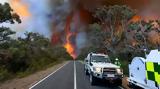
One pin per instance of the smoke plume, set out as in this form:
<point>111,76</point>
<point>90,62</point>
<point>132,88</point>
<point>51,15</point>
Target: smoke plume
<point>79,14</point>
<point>65,21</point>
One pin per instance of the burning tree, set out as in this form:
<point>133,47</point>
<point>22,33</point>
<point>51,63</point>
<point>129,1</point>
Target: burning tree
<point>125,31</point>
<point>146,35</point>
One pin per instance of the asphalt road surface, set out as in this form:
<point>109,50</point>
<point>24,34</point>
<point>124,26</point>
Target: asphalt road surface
<point>70,76</point>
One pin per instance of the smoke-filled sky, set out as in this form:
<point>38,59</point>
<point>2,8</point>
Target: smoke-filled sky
<point>65,21</point>
<point>35,16</point>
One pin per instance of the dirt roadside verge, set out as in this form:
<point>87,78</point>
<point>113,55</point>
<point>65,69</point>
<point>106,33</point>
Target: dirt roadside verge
<point>26,82</point>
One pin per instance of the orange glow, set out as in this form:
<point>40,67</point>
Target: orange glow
<point>85,16</point>
<point>20,8</point>
<point>68,44</point>
<point>136,18</point>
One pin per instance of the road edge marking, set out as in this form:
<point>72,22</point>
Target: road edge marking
<point>75,79</point>
<point>48,76</point>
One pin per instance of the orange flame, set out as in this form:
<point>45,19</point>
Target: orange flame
<point>136,18</point>
<point>68,45</point>
<point>79,16</point>
<point>20,8</point>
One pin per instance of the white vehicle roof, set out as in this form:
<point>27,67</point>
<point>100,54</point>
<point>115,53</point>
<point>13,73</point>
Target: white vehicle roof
<point>154,56</point>
<point>99,54</point>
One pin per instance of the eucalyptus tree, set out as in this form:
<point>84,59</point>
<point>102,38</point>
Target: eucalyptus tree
<point>116,20</point>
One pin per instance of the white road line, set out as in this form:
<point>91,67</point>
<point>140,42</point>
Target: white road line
<point>75,79</point>
<point>48,76</point>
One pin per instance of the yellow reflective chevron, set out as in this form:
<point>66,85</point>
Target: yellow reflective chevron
<point>157,77</point>
<point>153,72</point>
<point>150,66</point>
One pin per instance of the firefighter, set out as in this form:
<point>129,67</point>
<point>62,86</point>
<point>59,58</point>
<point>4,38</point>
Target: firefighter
<point>117,62</point>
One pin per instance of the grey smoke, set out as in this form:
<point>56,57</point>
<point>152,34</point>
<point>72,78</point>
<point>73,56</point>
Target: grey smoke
<point>40,19</point>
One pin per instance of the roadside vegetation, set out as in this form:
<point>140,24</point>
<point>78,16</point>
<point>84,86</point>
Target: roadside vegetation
<point>117,34</point>
<point>19,56</point>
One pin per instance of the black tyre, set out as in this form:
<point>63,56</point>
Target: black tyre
<point>86,72</point>
<point>92,79</point>
<point>118,82</point>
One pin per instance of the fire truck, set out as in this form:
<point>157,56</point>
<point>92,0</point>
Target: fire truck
<point>144,73</point>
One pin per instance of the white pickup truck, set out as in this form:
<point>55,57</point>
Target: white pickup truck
<point>99,66</point>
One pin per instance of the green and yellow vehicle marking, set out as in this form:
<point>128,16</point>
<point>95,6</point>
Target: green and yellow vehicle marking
<point>153,72</point>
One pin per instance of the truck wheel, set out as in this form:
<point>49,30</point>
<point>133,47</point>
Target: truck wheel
<point>118,82</point>
<point>92,79</point>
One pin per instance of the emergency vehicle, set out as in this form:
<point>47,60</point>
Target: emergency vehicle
<point>145,72</point>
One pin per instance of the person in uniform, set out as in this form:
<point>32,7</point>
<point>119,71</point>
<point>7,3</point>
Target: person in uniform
<point>117,62</point>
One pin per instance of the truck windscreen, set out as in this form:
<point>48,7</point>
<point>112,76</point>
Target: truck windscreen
<point>100,59</point>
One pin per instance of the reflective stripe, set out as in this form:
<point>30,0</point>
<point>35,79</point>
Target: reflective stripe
<point>153,72</point>
<point>157,77</point>
<point>150,66</point>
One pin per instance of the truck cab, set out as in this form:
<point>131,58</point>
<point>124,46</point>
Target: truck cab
<point>99,66</point>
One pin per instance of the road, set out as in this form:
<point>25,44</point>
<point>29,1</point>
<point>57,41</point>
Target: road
<point>69,76</point>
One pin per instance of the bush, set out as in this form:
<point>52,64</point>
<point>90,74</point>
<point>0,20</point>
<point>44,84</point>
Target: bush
<point>27,55</point>
<point>4,74</point>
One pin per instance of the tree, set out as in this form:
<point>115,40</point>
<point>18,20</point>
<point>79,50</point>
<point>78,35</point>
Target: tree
<point>115,19</point>
<point>7,14</point>
<point>25,55</point>
<point>5,34</point>
<point>142,30</point>
<point>97,37</point>
<point>35,40</point>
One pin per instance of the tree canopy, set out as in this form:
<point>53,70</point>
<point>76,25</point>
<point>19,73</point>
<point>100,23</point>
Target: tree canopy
<point>7,14</point>
<point>22,56</point>
<point>114,20</point>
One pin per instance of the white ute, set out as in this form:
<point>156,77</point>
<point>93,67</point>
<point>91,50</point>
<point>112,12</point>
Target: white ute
<point>99,66</point>
<point>144,73</point>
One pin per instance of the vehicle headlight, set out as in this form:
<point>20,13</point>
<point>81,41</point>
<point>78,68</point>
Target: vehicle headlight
<point>119,71</point>
<point>97,69</point>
